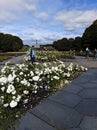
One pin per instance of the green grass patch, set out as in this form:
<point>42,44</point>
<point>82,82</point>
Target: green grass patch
<point>4,57</point>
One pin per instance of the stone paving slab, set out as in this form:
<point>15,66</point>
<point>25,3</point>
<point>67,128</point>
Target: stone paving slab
<point>57,115</point>
<point>73,88</point>
<point>88,107</point>
<point>81,80</point>
<point>94,81</point>
<point>66,98</point>
<point>86,77</point>
<point>30,122</point>
<point>89,123</point>
<point>73,129</point>
<point>89,93</point>
<point>88,85</point>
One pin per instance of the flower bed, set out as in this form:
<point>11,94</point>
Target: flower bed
<point>49,56</point>
<point>22,86</point>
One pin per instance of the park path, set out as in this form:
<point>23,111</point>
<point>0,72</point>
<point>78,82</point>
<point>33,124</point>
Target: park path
<point>14,60</point>
<point>80,60</point>
<point>89,63</point>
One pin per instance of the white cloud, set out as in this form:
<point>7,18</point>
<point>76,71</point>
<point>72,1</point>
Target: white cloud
<point>42,15</point>
<point>15,9</point>
<point>30,6</point>
<point>51,37</point>
<point>74,19</point>
<point>17,4</point>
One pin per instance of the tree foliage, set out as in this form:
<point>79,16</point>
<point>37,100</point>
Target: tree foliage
<point>9,42</point>
<point>89,37</point>
<point>77,44</point>
<point>67,44</point>
<point>1,37</point>
<point>62,44</point>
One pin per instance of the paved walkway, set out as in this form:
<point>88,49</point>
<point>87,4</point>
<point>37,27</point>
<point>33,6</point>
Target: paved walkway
<point>89,63</point>
<point>72,108</point>
<point>14,60</point>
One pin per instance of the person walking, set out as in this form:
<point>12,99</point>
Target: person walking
<point>95,53</point>
<point>87,52</point>
<point>33,54</point>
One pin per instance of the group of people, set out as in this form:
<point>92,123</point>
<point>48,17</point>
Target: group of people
<point>94,53</point>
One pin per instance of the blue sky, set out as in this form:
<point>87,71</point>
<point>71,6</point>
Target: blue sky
<point>46,20</point>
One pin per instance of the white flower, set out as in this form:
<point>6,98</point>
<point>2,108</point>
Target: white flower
<point>5,105</point>
<point>14,92</point>
<point>35,91</point>
<point>17,116</point>
<point>13,104</point>
<point>26,92</point>
<point>53,68</point>
<point>70,68</point>
<point>24,82</point>
<point>47,71</point>
<point>2,83</point>
<point>31,72</point>
<point>25,101</point>
<point>68,74</point>
<point>35,78</point>
<point>37,72</point>
<point>36,86</point>
<point>10,88</point>
<point>66,81</point>
<point>18,98</point>
<point>44,64</point>
<point>40,79</point>
<point>17,79</point>
<point>14,97</point>
<point>56,68</point>
<point>2,97</point>
<point>10,78</point>
<point>3,88</point>
<point>21,73</point>
<point>28,75</point>
<point>8,62</point>
<point>3,80</point>
<point>56,77</point>
<point>82,68</point>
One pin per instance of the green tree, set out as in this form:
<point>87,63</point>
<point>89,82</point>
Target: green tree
<point>11,43</point>
<point>62,44</point>
<point>1,37</point>
<point>77,44</point>
<point>6,43</point>
<point>17,43</point>
<point>89,37</point>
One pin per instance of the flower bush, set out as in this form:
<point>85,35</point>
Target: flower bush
<point>49,56</point>
<point>23,84</point>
